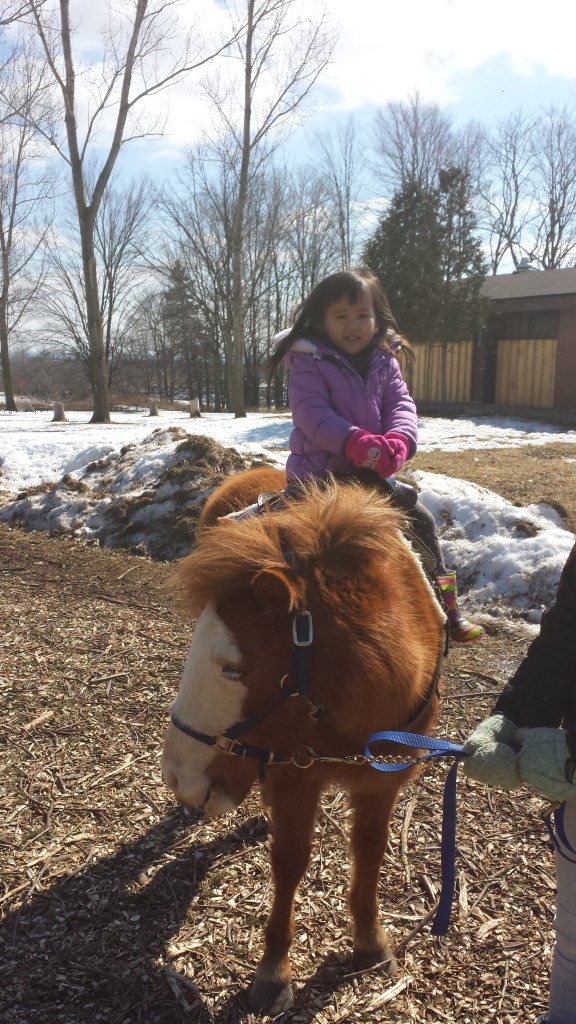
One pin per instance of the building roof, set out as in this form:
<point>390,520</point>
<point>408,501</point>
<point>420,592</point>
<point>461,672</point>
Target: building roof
<point>530,283</point>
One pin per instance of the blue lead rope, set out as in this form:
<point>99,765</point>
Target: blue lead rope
<point>435,748</point>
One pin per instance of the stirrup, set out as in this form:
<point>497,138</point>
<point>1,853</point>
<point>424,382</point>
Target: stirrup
<point>267,501</point>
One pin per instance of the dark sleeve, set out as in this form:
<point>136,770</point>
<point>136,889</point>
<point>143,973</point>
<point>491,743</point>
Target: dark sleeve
<point>542,692</point>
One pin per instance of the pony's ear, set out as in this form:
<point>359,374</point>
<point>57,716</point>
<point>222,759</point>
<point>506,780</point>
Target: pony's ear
<point>273,592</point>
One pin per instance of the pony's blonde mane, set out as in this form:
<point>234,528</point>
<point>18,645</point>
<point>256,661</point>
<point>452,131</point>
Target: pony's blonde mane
<point>331,527</point>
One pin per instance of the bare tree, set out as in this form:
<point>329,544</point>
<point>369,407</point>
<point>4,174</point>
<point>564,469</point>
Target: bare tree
<point>553,147</point>
<point>528,189</point>
<point>413,139</point>
<point>134,64</point>
<point>263,236</point>
<point>167,365</point>
<point>504,187</point>
<point>26,186</point>
<point>281,56</point>
<point>312,234</point>
<point>11,12</point>
<point>122,234</point>
<point>309,246</point>
<point>340,161</point>
<point>469,152</point>
<point>201,212</point>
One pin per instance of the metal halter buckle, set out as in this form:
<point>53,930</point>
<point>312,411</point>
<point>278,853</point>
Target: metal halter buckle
<point>227,746</point>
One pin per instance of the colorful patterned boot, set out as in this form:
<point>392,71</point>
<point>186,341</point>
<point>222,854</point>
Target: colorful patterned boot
<point>461,631</point>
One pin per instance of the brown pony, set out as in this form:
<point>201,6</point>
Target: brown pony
<point>316,628</point>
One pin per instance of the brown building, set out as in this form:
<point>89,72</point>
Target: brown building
<point>526,356</point>
<point>531,327</point>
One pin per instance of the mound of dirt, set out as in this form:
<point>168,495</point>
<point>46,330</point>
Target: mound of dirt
<point>146,498</point>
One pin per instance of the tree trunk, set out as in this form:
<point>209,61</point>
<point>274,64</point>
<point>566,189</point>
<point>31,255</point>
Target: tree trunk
<point>6,370</point>
<point>59,414</point>
<point>235,360</point>
<point>98,367</point>
<point>217,384</point>
<point>4,351</point>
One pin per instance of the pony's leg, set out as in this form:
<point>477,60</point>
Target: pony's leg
<point>293,803</point>
<point>370,831</point>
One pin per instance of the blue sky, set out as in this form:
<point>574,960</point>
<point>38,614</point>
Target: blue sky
<point>479,62</point>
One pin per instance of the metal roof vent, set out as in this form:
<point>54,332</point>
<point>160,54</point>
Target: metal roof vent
<point>524,265</point>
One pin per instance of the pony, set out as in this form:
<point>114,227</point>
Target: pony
<point>316,627</point>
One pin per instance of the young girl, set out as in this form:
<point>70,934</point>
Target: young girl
<point>351,409</point>
<point>521,744</point>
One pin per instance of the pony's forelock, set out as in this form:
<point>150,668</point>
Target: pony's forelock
<point>343,523</point>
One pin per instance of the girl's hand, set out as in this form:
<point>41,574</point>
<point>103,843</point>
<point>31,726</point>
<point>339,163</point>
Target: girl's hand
<point>384,453</point>
<point>545,763</point>
<point>492,753</point>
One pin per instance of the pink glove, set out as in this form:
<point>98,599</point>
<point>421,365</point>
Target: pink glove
<point>384,453</point>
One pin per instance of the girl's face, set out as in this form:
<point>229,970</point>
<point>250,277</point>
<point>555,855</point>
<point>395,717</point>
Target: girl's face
<point>350,327</point>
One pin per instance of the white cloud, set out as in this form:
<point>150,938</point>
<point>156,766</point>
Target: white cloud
<point>386,51</point>
<point>480,59</point>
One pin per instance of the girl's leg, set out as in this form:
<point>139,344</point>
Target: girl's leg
<point>563,976</point>
<point>424,526</point>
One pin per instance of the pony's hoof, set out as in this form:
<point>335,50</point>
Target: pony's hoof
<point>270,997</point>
<point>369,959</point>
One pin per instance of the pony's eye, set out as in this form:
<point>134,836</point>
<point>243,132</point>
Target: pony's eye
<point>232,672</point>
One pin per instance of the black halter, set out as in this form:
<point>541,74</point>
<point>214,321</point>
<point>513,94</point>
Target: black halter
<point>228,742</point>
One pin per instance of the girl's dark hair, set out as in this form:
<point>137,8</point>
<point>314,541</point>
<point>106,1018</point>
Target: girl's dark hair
<point>346,284</point>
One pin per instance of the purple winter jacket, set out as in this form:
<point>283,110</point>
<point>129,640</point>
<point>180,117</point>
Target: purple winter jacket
<point>329,400</point>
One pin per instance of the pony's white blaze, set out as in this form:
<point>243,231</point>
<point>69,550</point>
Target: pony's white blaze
<point>209,702</point>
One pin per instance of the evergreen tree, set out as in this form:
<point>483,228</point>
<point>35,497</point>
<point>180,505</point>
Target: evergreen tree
<point>405,254</point>
<point>430,262</point>
<point>463,264</point>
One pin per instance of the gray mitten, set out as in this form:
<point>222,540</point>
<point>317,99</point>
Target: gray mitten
<point>491,753</point>
<point>542,762</point>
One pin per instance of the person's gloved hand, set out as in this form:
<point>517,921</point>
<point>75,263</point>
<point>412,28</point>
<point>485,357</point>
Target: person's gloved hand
<point>384,453</point>
<point>542,762</point>
<point>492,753</point>
<point>400,447</point>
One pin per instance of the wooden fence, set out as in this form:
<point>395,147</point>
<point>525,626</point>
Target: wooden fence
<point>426,373</point>
<point>526,372</point>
